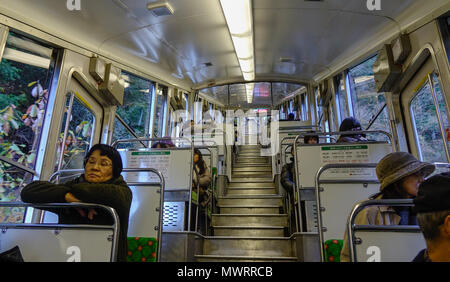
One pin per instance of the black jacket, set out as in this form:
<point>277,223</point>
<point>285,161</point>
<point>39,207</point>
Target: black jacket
<point>115,194</point>
<point>287,178</point>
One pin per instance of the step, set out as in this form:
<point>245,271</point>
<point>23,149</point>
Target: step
<point>257,199</point>
<point>258,174</point>
<point>248,209</point>
<point>250,153</point>
<point>249,220</point>
<point>240,184</point>
<point>244,159</point>
<point>248,246</point>
<point>251,191</point>
<point>249,179</point>
<point>251,165</point>
<point>249,231</point>
<point>212,258</point>
<point>252,169</point>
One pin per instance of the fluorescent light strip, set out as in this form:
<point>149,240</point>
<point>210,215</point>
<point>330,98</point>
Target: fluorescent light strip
<point>25,58</point>
<point>238,14</point>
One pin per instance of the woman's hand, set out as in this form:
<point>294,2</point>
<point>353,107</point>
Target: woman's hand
<point>70,198</point>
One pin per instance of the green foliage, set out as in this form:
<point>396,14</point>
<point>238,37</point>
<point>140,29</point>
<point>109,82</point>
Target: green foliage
<point>22,107</point>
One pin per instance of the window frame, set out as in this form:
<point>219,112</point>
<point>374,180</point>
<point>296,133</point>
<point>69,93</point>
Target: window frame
<point>428,81</point>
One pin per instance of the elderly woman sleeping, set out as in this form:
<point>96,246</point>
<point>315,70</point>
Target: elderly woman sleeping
<point>101,183</point>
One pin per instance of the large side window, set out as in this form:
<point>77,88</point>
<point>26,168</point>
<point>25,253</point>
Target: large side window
<point>26,72</point>
<point>160,111</point>
<point>369,107</point>
<point>341,101</point>
<point>134,116</point>
<point>430,126</point>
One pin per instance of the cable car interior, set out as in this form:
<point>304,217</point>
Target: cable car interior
<point>243,82</point>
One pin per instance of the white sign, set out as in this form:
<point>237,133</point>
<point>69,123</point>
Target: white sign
<point>352,154</point>
<point>159,160</point>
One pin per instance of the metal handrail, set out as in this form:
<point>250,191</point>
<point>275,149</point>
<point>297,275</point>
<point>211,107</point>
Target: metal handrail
<point>329,134</point>
<point>317,191</point>
<point>216,147</point>
<point>359,207</point>
<point>115,143</point>
<point>18,165</point>
<point>112,212</point>
<point>161,201</point>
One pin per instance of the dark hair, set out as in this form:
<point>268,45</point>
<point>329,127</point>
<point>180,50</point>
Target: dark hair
<point>111,153</point>
<point>394,191</point>
<point>309,137</point>
<point>351,124</point>
<point>201,163</point>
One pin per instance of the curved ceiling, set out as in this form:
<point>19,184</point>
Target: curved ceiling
<point>294,39</point>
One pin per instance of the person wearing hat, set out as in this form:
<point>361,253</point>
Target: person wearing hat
<point>400,175</point>
<point>432,205</point>
<point>101,184</point>
<point>351,124</point>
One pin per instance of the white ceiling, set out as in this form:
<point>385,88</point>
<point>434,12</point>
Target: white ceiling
<point>314,36</point>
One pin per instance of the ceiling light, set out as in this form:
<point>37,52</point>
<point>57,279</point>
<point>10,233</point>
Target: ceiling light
<point>160,8</point>
<point>238,14</point>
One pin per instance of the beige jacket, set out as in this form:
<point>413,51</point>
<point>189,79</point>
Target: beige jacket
<point>373,215</point>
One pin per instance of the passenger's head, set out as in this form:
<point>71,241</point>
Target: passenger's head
<point>400,175</point>
<point>102,163</point>
<point>163,144</point>
<point>311,139</point>
<point>291,116</point>
<point>432,205</point>
<point>158,145</point>
<point>350,124</point>
<point>198,157</point>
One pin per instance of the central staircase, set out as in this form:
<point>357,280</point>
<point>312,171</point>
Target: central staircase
<point>250,226</point>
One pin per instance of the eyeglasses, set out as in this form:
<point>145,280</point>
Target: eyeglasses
<point>103,163</point>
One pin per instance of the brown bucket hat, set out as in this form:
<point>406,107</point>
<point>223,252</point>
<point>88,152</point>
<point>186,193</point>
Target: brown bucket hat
<point>398,165</point>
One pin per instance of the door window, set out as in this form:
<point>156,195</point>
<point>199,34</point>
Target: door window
<point>427,122</point>
<point>76,135</point>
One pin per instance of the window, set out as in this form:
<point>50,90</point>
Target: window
<point>341,101</point>
<point>304,107</point>
<point>26,72</point>
<point>334,126</point>
<point>136,108</point>
<point>318,105</point>
<point>76,134</point>
<point>366,102</point>
<point>160,111</point>
<point>427,126</point>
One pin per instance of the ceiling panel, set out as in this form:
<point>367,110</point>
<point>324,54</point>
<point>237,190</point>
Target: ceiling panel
<point>311,37</point>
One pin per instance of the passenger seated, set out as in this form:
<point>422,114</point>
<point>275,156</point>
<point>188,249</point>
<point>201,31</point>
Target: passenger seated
<point>288,171</point>
<point>287,178</point>
<point>311,139</point>
<point>163,144</point>
<point>351,124</point>
<point>400,175</point>
<point>101,183</point>
<point>432,205</point>
<point>291,116</point>
<point>201,178</point>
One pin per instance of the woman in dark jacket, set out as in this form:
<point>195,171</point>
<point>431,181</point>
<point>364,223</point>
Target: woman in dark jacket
<point>101,184</point>
<point>351,124</point>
